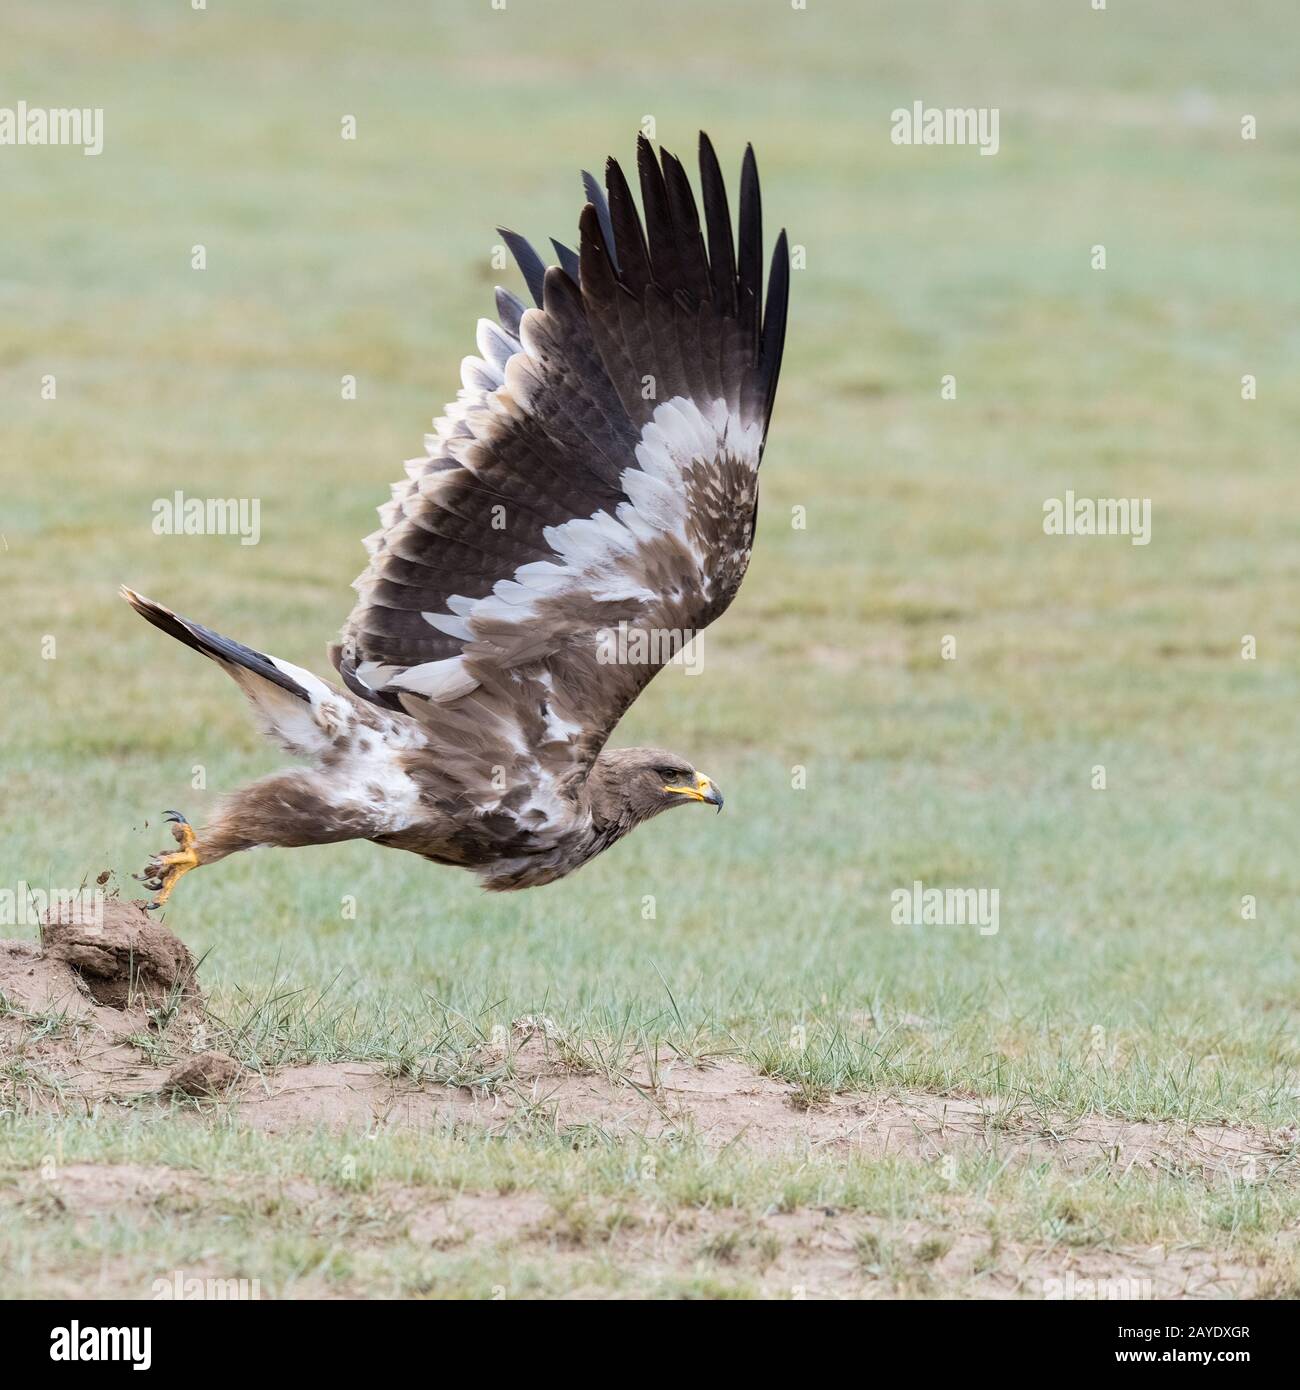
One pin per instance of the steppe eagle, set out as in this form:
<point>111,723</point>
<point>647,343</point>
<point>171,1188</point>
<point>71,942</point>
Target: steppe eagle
<point>596,476</point>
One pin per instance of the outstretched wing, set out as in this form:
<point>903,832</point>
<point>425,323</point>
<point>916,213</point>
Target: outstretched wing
<point>587,503</point>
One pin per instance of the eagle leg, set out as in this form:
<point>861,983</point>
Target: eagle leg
<point>166,869</point>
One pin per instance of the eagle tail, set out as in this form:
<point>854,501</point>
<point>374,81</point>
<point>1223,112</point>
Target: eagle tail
<point>299,711</point>
<point>213,644</point>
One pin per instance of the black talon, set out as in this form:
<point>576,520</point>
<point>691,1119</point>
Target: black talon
<point>175,817</point>
<point>154,885</point>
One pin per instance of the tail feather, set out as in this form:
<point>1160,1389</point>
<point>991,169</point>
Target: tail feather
<point>213,644</point>
<point>299,711</point>
<point>358,789</point>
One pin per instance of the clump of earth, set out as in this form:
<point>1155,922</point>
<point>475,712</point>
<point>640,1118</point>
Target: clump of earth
<point>121,955</point>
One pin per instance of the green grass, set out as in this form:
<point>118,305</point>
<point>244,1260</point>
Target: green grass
<point>1120,909</point>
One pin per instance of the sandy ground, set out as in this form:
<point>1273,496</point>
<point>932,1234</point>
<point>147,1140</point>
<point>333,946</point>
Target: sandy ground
<point>806,1253</point>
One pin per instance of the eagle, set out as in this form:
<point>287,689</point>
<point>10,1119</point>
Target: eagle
<point>594,482</point>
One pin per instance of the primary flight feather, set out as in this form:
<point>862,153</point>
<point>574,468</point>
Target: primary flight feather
<point>594,482</point>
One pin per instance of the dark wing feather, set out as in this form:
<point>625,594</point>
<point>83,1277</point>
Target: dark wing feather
<point>665,253</point>
<point>597,474</point>
<point>627,250</point>
<point>750,262</point>
<point>772,342</point>
<point>596,197</point>
<point>529,262</point>
<point>717,216</point>
<point>686,229</point>
<point>568,259</point>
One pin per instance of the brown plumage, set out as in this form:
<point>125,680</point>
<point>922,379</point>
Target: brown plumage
<point>594,483</point>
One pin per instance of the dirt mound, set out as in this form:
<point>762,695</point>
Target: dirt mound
<point>121,954</point>
<point>32,984</point>
<point>74,1009</point>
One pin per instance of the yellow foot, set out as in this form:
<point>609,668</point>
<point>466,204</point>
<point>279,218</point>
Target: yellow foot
<point>166,869</point>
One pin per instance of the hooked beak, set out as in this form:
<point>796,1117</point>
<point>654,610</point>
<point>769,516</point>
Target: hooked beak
<point>703,790</point>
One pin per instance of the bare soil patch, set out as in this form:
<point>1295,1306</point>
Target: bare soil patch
<point>726,1102</point>
<point>807,1253</point>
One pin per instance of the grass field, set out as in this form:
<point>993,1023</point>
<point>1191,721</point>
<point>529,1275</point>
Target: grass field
<point>1124,980</point>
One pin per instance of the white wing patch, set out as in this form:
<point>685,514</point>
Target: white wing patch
<point>598,555</point>
<point>436,680</point>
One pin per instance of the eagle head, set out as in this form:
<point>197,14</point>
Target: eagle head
<point>630,785</point>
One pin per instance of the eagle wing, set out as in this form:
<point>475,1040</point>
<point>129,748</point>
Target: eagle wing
<point>595,479</point>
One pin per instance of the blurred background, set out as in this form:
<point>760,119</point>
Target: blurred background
<point>371,257</point>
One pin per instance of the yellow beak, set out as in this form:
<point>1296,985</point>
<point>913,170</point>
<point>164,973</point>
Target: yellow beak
<point>703,790</point>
